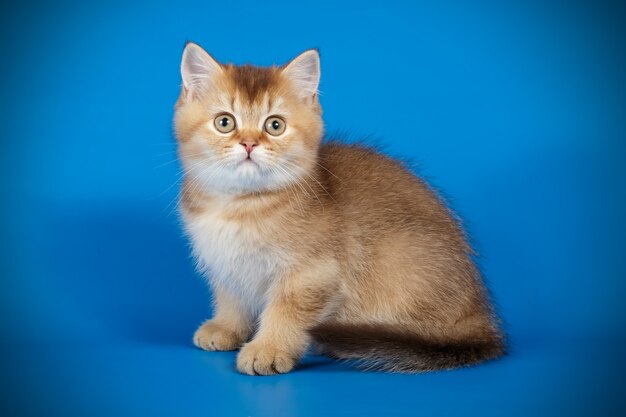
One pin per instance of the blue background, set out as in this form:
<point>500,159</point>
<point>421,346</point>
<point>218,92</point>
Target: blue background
<point>515,110</point>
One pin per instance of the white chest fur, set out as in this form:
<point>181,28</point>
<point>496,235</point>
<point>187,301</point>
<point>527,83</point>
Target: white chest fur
<point>235,257</point>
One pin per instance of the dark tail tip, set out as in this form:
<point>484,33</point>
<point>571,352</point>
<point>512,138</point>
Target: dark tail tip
<point>381,348</point>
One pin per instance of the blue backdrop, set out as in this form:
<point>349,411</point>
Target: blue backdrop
<point>515,110</point>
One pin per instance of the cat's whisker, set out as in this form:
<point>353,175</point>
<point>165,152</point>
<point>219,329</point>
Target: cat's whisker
<point>176,182</point>
<point>165,153</point>
<point>290,189</point>
<point>298,182</point>
<point>195,187</point>
<point>181,176</point>
<point>319,165</point>
<point>308,159</point>
<point>163,144</point>
<point>313,178</point>
<point>172,201</point>
<point>178,160</point>
<point>166,163</point>
<point>196,182</point>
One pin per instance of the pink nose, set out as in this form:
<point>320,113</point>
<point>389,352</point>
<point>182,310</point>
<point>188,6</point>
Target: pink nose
<point>249,145</point>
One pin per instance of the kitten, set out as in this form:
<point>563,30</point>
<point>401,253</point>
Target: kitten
<point>305,242</point>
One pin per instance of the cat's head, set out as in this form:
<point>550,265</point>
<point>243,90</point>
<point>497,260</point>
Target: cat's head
<point>245,129</point>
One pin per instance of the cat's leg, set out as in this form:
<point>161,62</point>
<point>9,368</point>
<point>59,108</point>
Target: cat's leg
<point>299,302</point>
<point>230,327</point>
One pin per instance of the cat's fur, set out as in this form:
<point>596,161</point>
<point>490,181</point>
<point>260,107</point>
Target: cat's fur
<point>304,242</point>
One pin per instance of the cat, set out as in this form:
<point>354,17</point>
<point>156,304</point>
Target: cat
<point>318,244</point>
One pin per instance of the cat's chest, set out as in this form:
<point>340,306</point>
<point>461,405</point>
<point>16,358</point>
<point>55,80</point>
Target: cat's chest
<point>237,256</point>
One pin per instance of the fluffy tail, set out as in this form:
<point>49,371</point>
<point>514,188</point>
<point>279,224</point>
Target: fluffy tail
<point>379,348</point>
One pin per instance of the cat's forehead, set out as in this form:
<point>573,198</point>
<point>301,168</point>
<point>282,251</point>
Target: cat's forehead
<point>254,84</point>
<point>251,90</point>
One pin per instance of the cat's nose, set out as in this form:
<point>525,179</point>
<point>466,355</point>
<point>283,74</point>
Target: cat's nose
<point>249,145</point>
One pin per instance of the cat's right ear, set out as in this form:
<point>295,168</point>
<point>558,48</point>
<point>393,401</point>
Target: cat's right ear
<point>198,70</point>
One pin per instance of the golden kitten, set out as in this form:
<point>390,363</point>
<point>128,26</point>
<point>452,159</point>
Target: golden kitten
<point>305,242</point>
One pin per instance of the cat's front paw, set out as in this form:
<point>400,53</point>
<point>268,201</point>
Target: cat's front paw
<point>261,358</point>
<point>213,336</point>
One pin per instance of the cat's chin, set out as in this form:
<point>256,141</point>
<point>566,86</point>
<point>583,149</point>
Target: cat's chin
<point>249,171</point>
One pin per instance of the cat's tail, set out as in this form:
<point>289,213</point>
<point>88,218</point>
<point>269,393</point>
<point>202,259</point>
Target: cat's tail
<point>380,348</point>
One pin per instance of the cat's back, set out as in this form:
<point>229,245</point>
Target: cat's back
<point>355,167</point>
<point>375,187</point>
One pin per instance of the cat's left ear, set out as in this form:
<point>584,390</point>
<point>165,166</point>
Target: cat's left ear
<point>304,73</point>
<point>198,70</point>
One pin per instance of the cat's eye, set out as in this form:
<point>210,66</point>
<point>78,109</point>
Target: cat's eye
<point>275,126</point>
<point>225,123</point>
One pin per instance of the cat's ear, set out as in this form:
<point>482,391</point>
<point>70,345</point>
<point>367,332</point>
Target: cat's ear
<point>304,73</point>
<point>198,70</point>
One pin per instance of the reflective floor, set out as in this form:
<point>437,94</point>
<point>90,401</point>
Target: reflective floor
<point>570,378</point>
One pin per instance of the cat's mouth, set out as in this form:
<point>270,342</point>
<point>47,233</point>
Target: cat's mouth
<point>248,161</point>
